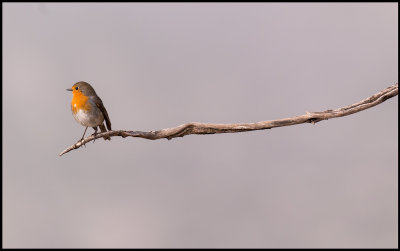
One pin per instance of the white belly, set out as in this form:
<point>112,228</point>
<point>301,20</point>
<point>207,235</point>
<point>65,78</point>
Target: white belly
<point>87,119</point>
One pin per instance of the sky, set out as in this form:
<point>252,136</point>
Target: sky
<point>160,65</point>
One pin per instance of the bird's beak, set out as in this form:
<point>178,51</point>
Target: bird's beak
<point>69,90</point>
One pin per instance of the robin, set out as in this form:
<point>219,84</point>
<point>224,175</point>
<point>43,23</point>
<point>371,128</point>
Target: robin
<point>88,109</point>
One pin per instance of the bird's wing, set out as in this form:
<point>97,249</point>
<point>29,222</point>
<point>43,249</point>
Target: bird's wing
<point>100,105</point>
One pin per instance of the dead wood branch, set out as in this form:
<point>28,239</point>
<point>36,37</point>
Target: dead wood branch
<point>204,128</point>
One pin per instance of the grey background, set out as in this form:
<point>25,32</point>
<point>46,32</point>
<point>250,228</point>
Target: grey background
<point>156,66</point>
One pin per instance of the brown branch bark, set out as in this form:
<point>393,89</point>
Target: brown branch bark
<point>205,128</point>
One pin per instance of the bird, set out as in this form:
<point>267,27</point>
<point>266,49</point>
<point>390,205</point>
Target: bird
<point>88,109</point>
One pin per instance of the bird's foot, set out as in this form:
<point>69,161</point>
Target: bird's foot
<point>94,135</point>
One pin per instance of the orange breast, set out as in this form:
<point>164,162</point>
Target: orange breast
<point>79,101</point>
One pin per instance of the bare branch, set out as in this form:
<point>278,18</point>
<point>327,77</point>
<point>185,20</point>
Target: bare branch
<point>204,128</point>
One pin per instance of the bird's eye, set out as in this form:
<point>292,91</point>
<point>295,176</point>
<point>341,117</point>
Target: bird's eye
<point>76,88</point>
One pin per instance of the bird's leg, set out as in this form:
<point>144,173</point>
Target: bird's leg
<point>84,135</point>
<point>95,133</point>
